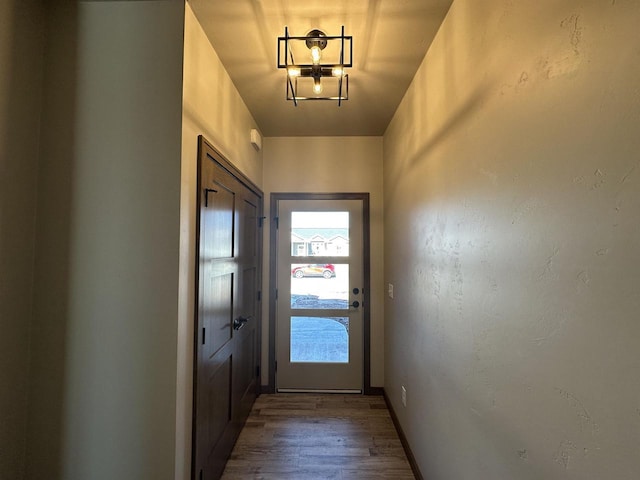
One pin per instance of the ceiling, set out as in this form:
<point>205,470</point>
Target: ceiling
<point>390,39</point>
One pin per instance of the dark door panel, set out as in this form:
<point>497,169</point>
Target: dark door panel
<point>217,312</point>
<point>217,403</point>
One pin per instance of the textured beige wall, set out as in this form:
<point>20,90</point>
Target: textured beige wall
<point>103,383</point>
<point>211,107</point>
<point>21,52</point>
<point>512,213</point>
<point>330,164</point>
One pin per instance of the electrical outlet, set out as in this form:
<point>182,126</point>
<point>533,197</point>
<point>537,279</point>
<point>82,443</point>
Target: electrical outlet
<point>404,396</point>
<point>391,290</point>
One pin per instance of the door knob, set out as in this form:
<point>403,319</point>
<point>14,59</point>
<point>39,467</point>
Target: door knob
<point>355,304</point>
<point>239,322</point>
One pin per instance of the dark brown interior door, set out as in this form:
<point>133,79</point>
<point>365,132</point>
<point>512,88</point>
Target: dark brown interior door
<point>227,333</point>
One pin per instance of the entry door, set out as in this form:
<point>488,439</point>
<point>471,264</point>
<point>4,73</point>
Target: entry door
<point>319,295</point>
<point>227,331</point>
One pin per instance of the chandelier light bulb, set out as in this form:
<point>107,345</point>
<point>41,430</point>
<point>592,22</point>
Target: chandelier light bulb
<point>316,54</point>
<point>317,86</point>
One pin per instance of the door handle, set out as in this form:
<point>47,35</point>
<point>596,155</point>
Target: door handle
<point>240,322</point>
<point>355,304</point>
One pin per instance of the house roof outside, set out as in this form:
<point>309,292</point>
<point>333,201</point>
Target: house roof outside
<point>309,234</point>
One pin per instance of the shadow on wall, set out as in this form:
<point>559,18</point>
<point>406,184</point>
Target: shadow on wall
<point>454,122</point>
<point>15,233</point>
<point>52,243</point>
<point>21,47</point>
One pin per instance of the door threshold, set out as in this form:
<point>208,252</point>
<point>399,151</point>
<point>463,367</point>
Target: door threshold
<point>308,390</point>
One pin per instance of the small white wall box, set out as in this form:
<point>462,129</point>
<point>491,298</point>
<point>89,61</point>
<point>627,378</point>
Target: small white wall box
<point>256,139</point>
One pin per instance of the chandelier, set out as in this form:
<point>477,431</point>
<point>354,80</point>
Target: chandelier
<point>320,73</point>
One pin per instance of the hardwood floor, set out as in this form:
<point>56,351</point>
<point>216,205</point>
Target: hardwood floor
<point>318,437</point>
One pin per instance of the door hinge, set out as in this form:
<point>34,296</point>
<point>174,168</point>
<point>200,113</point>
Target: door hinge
<point>207,191</point>
<point>258,371</point>
<point>276,367</point>
<point>203,335</point>
<point>261,221</point>
<point>259,295</point>
<point>277,220</point>
<point>276,295</point>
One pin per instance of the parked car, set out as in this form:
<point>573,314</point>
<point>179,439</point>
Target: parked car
<point>326,270</point>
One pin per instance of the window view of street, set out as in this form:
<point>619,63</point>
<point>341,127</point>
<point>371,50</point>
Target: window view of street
<point>320,234</point>
<point>320,286</point>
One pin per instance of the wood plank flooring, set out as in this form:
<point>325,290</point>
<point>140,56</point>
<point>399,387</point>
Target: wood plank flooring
<point>318,437</point>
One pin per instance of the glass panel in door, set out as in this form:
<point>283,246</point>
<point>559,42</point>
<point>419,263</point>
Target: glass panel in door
<point>319,340</point>
<point>319,318</point>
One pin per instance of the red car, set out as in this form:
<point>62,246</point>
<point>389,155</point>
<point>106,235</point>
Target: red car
<point>326,270</point>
